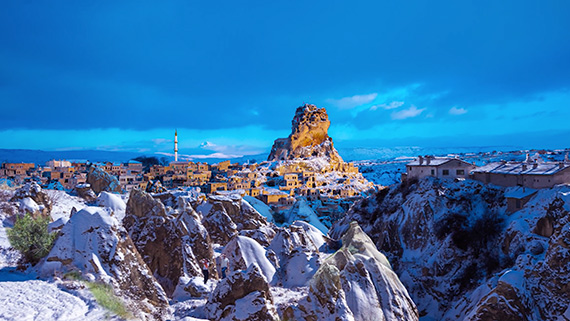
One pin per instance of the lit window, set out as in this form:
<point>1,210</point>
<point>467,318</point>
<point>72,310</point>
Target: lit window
<point>445,172</point>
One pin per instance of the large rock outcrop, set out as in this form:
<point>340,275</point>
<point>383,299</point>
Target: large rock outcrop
<point>309,137</point>
<point>225,215</point>
<point>94,243</point>
<point>102,181</point>
<point>355,283</point>
<point>165,241</point>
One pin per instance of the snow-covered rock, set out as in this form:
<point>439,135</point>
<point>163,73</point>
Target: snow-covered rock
<point>161,239</point>
<point>114,202</point>
<point>463,258</point>
<point>93,242</point>
<point>243,295</point>
<point>33,200</point>
<point>243,252</point>
<point>356,283</point>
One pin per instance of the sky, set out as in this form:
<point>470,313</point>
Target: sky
<point>123,75</point>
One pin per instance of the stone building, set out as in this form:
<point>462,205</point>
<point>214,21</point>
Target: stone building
<point>530,174</point>
<point>440,167</point>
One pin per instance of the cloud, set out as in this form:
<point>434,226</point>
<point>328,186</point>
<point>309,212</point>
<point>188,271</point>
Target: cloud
<point>392,105</point>
<point>354,101</point>
<point>457,111</point>
<point>199,156</point>
<point>160,141</point>
<point>411,112</point>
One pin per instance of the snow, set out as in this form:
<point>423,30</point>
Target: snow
<point>23,298</point>
<point>261,207</point>
<point>114,202</point>
<point>62,203</point>
<point>252,252</point>
<point>519,192</point>
<point>302,211</point>
<point>86,249</point>
<point>514,278</point>
<point>29,205</point>
<point>316,235</point>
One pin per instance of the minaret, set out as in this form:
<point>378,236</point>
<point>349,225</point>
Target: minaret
<point>175,145</point>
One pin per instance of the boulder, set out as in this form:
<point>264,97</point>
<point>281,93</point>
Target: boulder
<point>33,199</point>
<point>85,192</point>
<point>102,181</point>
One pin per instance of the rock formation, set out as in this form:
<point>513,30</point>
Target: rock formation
<point>102,181</point>
<point>85,192</point>
<point>355,283</point>
<point>243,295</point>
<point>463,258</point>
<point>226,215</point>
<point>309,137</point>
<point>163,240</point>
<point>33,199</point>
<point>93,242</point>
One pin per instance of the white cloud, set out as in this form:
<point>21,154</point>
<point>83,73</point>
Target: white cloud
<point>457,111</point>
<point>392,105</point>
<point>354,101</point>
<point>160,141</point>
<point>411,112</point>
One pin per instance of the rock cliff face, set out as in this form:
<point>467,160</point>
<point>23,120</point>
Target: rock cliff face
<point>462,257</point>
<point>309,137</point>
<point>163,241</point>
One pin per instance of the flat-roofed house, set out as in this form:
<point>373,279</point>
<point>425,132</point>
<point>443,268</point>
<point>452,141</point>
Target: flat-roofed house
<point>517,197</point>
<point>440,167</point>
<point>530,174</point>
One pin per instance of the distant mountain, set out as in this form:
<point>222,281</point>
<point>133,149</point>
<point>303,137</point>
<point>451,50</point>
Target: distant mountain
<point>390,153</point>
<point>41,156</point>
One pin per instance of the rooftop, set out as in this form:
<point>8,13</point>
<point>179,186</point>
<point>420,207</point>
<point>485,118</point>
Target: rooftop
<point>517,168</point>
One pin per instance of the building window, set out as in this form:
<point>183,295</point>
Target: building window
<point>445,172</point>
<point>460,172</point>
<point>433,172</point>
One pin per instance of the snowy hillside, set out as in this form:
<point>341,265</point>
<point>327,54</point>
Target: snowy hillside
<point>150,248</point>
<point>462,257</point>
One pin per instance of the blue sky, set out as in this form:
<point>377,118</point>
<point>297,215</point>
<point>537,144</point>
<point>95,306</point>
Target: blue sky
<point>228,75</point>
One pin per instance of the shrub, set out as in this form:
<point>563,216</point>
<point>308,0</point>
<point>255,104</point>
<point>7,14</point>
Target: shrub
<point>30,236</point>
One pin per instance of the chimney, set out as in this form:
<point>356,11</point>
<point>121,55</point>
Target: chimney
<point>421,159</point>
<point>428,159</point>
<point>535,165</point>
<point>527,160</point>
<point>524,167</point>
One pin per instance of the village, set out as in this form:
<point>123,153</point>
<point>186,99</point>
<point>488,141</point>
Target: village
<point>280,184</point>
<point>276,184</point>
